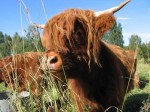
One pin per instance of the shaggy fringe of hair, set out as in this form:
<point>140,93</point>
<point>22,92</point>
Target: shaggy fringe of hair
<point>61,26</point>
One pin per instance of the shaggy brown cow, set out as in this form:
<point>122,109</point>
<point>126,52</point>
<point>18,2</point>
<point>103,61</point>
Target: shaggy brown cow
<point>26,71</point>
<point>22,71</point>
<point>98,74</point>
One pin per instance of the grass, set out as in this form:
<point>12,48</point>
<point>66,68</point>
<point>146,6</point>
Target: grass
<point>138,100</point>
<point>51,98</point>
<point>2,87</point>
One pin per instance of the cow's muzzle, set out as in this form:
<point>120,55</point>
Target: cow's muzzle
<point>51,61</point>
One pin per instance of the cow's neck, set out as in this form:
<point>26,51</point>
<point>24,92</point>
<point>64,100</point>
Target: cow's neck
<point>98,80</point>
<point>84,87</point>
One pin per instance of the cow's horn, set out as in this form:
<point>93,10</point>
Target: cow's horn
<point>39,25</point>
<point>112,10</point>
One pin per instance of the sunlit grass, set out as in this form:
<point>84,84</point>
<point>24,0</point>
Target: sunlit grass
<point>52,97</point>
<point>2,87</point>
<point>136,98</point>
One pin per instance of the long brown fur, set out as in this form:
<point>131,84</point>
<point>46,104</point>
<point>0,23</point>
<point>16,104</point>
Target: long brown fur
<point>60,28</point>
<point>22,71</point>
<point>98,74</point>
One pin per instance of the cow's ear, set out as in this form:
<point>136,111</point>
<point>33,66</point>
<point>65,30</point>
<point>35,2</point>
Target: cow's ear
<point>103,23</point>
<point>104,20</point>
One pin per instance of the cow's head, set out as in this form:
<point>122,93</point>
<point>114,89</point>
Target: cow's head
<point>73,37</point>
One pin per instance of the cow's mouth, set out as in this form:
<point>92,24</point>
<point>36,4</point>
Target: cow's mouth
<point>53,70</point>
<point>58,74</point>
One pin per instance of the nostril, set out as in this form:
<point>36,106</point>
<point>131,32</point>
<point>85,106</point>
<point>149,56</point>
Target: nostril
<point>53,60</point>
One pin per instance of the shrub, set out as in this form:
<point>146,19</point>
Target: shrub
<point>146,106</point>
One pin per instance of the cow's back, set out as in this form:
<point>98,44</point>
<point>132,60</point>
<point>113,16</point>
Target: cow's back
<point>128,59</point>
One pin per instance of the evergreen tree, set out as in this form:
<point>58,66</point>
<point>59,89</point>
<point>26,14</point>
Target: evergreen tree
<point>145,52</point>
<point>4,45</point>
<point>114,36</point>
<point>15,44</point>
<point>1,37</point>
<point>33,37</point>
<point>134,41</point>
<point>7,50</point>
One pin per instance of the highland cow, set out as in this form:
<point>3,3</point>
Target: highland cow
<point>98,74</point>
<point>26,71</point>
<point>22,71</point>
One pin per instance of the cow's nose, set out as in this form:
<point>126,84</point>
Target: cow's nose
<point>53,59</point>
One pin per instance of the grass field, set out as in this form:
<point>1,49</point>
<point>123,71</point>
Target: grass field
<point>138,100</point>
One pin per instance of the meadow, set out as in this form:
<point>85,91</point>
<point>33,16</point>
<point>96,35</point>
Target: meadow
<point>138,100</point>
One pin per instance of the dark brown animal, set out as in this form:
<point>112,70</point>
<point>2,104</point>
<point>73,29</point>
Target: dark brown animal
<point>98,74</point>
<point>22,71</point>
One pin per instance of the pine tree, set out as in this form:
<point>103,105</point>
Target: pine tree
<point>1,37</point>
<point>114,36</point>
<point>145,52</point>
<point>4,45</point>
<point>33,37</point>
<point>134,41</point>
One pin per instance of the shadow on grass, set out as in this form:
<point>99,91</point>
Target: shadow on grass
<point>135,102</point>
<point>143,83</point>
